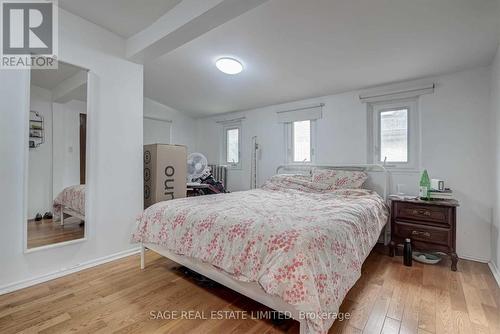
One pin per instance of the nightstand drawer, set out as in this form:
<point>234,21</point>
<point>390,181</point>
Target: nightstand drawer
<point>428,213</point>
<point>430,234</point>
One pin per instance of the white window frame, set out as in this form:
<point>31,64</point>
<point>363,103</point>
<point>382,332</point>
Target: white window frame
<point>289,144</point>
<point>414,143</point>
<point>225,129</point>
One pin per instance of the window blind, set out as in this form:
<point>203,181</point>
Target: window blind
<point>300,114</point>
<point>395,92</point>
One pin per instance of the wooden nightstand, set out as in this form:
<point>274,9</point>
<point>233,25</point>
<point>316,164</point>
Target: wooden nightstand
<point>431,226</point>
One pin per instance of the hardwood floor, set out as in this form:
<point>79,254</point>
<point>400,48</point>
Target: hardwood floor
<point>118,297</point>
<point>47,232</point>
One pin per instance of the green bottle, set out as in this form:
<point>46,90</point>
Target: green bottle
<point>425,186</point>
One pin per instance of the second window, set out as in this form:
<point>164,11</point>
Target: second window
<point>300,142</point>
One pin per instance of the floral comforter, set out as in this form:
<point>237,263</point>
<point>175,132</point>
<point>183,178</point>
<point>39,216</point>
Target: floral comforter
<point>72,197</point>
<point>303,244</point>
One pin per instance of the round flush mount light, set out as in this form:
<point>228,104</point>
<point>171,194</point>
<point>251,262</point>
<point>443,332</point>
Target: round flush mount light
<point>229,65</point>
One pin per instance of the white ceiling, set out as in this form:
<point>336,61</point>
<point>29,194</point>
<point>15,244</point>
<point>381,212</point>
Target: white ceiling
<point>123,17</point>
<point>79,93</point>
<point>295,49</point>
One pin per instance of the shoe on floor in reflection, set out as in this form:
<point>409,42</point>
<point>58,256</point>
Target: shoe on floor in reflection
<point>38,217</point>
<point>47,215</point>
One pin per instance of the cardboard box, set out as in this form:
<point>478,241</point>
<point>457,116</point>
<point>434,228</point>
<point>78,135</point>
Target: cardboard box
<point>165,171</point>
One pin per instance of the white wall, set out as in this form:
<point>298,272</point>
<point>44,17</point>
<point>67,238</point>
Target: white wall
<point>66,159</point>
<point>114,158</point>
<point>455,146</point>
<point>183,129</point>
<point>40,158</point>
<point>495,107</point>
<point>156,131</point>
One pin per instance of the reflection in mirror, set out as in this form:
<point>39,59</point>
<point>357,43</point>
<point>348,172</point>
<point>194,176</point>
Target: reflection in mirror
<point>57,155</point>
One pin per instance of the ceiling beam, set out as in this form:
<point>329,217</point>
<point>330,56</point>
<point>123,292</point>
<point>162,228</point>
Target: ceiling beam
<point>64,91</point>
<point>183,23</point>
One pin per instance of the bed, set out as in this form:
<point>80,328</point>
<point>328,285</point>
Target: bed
<point>292,246</point>
<point>70,201</point>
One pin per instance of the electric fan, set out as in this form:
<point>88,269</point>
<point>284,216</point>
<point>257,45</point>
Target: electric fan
<point>197,163</point>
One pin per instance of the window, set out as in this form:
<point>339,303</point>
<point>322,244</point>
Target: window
<point>395,134</point>
<point>300,142</point>
<point>232,149</point>
<point>232,145</point>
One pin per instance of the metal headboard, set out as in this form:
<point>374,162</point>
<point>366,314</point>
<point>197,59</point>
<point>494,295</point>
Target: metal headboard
<point>381,188</point>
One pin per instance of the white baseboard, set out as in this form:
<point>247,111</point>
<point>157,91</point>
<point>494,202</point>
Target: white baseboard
<point>66,271</point>
<point>474,258</point>
<point>495,272</point>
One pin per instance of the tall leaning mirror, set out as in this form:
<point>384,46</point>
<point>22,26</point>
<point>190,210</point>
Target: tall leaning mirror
<point>57,158</point>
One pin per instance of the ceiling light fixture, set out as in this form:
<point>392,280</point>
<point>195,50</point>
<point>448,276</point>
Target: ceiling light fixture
<point>229,65</point>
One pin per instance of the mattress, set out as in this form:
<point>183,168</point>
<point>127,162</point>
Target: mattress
<point>305,245</point>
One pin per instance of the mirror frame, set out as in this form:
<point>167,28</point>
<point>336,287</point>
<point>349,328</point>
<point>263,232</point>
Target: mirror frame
<point>88,165</point>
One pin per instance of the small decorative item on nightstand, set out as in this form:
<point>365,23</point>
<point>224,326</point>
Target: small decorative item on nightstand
<point>425,186</point>
<point>431,225</point>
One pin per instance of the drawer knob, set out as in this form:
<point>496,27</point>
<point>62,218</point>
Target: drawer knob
<point>423,234</point>
<point>422,212</point>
